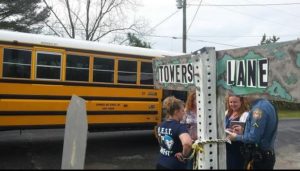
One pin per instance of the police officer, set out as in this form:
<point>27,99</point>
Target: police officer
<point>259,134</point>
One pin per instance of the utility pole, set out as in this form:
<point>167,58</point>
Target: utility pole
<point>184,27</point>
<point>182,4</point>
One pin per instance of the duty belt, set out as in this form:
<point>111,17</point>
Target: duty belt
<point>267,152</point>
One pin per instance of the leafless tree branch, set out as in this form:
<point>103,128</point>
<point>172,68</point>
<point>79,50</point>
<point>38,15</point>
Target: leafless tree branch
<point>56,16</point>
<point>100,18</point>
<point>70,18</point>
<point>113,30</point>
<point>54,31</point>
<point>87,35</point>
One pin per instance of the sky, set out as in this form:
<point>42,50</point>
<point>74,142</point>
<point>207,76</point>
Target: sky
<point>223,24</point>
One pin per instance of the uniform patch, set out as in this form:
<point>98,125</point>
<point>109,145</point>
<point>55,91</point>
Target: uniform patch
<point>255,125</point>
<point>257,114</point>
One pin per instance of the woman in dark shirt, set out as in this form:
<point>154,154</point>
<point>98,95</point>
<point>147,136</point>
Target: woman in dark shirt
<point>174,139</point>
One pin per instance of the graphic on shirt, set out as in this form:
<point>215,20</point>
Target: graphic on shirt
<point>168,141</point>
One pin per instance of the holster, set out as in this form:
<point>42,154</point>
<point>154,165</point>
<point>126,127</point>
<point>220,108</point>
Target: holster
<point>246,151</point>
<point>257,155</point>
<point>253,154</point>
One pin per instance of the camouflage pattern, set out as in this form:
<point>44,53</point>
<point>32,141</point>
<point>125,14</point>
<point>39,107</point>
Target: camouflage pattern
<point>283,75</point>
<point>184,59</point>
<point>283,70</point>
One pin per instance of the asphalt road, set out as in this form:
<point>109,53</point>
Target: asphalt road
<point>42,149</point>
<point>287,145</point>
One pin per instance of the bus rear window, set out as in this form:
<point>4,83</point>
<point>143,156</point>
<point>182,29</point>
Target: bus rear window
<point>146,73</point>
<point>77,68</point>
<point>48,66</point>
<point>127,72</point>
<point>16,63</point>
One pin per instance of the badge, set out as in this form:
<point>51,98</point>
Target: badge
<point>257,114</point>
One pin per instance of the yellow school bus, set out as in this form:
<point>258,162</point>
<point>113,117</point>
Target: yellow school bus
<point>39,74</point>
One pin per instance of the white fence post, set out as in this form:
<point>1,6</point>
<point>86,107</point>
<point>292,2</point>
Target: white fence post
<point>205,81</point>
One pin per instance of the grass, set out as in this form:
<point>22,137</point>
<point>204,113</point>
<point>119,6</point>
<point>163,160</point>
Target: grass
<point>288,114</point>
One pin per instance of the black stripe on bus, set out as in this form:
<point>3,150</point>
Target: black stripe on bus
<point>98,127</point>
<point>18,113</point>
<point>92,126</point>
<point>74,83</point>
<point>46,97</point>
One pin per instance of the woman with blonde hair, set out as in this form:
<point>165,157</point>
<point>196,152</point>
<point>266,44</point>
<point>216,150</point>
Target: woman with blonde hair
<point>174,140</point>
<point>237,110</point>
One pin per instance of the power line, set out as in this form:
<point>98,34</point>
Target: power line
<point>205,41</point>
<point>282,11</point>
<point>198,40</point>
<point>243,13</point>
<point>162,21</point>
<point>246,5</point>
<point>212,36</point>
<point>242,36</point>
<point>194,16</point>
<point>207,36</point>
<point>195,36</point>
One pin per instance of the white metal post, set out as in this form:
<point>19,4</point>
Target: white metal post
<point>205,81</point>
<point>74,147</point>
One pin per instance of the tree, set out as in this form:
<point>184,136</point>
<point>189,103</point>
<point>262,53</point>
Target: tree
<point>137,42</point>
<point>269,40</point>
<point>22,15</point>
<point>90,19</point>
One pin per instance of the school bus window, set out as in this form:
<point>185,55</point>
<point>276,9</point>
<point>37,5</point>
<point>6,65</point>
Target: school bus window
<point>16,63</point>
<point>127,72</point>
<point>77,68</point>
<point>146,73</point>
<point>48,65</point>
<point>103,70</point>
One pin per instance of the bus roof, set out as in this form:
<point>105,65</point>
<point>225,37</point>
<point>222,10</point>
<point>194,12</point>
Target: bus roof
<point>59,42</point>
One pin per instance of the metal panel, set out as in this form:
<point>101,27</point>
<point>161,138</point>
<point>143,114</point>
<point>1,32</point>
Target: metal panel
<point>75,135</point>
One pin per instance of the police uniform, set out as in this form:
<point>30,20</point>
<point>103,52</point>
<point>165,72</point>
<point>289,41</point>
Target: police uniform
<point>259,135</point>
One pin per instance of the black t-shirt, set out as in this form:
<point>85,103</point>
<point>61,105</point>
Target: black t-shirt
<point>170,144</point>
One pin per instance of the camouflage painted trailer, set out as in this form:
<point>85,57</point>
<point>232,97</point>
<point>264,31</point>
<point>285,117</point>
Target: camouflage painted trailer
<point>283,77</point>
